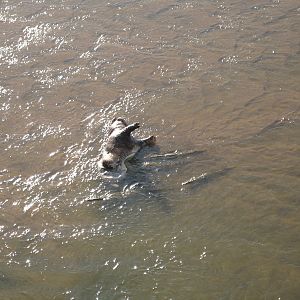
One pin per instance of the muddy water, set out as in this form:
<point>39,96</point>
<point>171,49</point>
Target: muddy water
<point>212,212</point>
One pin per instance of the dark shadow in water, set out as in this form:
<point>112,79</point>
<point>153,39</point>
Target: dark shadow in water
<point>143,182</point>
<point>139,186</point>
<point>166,162</point>
<point>162,11</point>
<point>7,282</point>
<point>195,183</point>
<point>283,122</point>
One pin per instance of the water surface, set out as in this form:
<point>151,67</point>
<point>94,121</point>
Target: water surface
<point>212,212</point>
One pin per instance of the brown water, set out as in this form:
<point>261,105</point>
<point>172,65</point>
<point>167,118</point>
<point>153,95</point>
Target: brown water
<point>217,82</point>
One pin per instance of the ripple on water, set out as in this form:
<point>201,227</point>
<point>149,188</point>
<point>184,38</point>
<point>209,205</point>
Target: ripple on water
<point>5,106</point>
<point>162,64</point>
<point>7,14</point>
<point>15,52</point>
<point>48,77</point>
<point>36,133</point>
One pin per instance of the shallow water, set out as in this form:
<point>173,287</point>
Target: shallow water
<point>212,212</point>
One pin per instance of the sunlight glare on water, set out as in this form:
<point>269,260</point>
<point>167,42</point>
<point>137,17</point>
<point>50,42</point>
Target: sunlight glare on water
<point>212,211</point>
